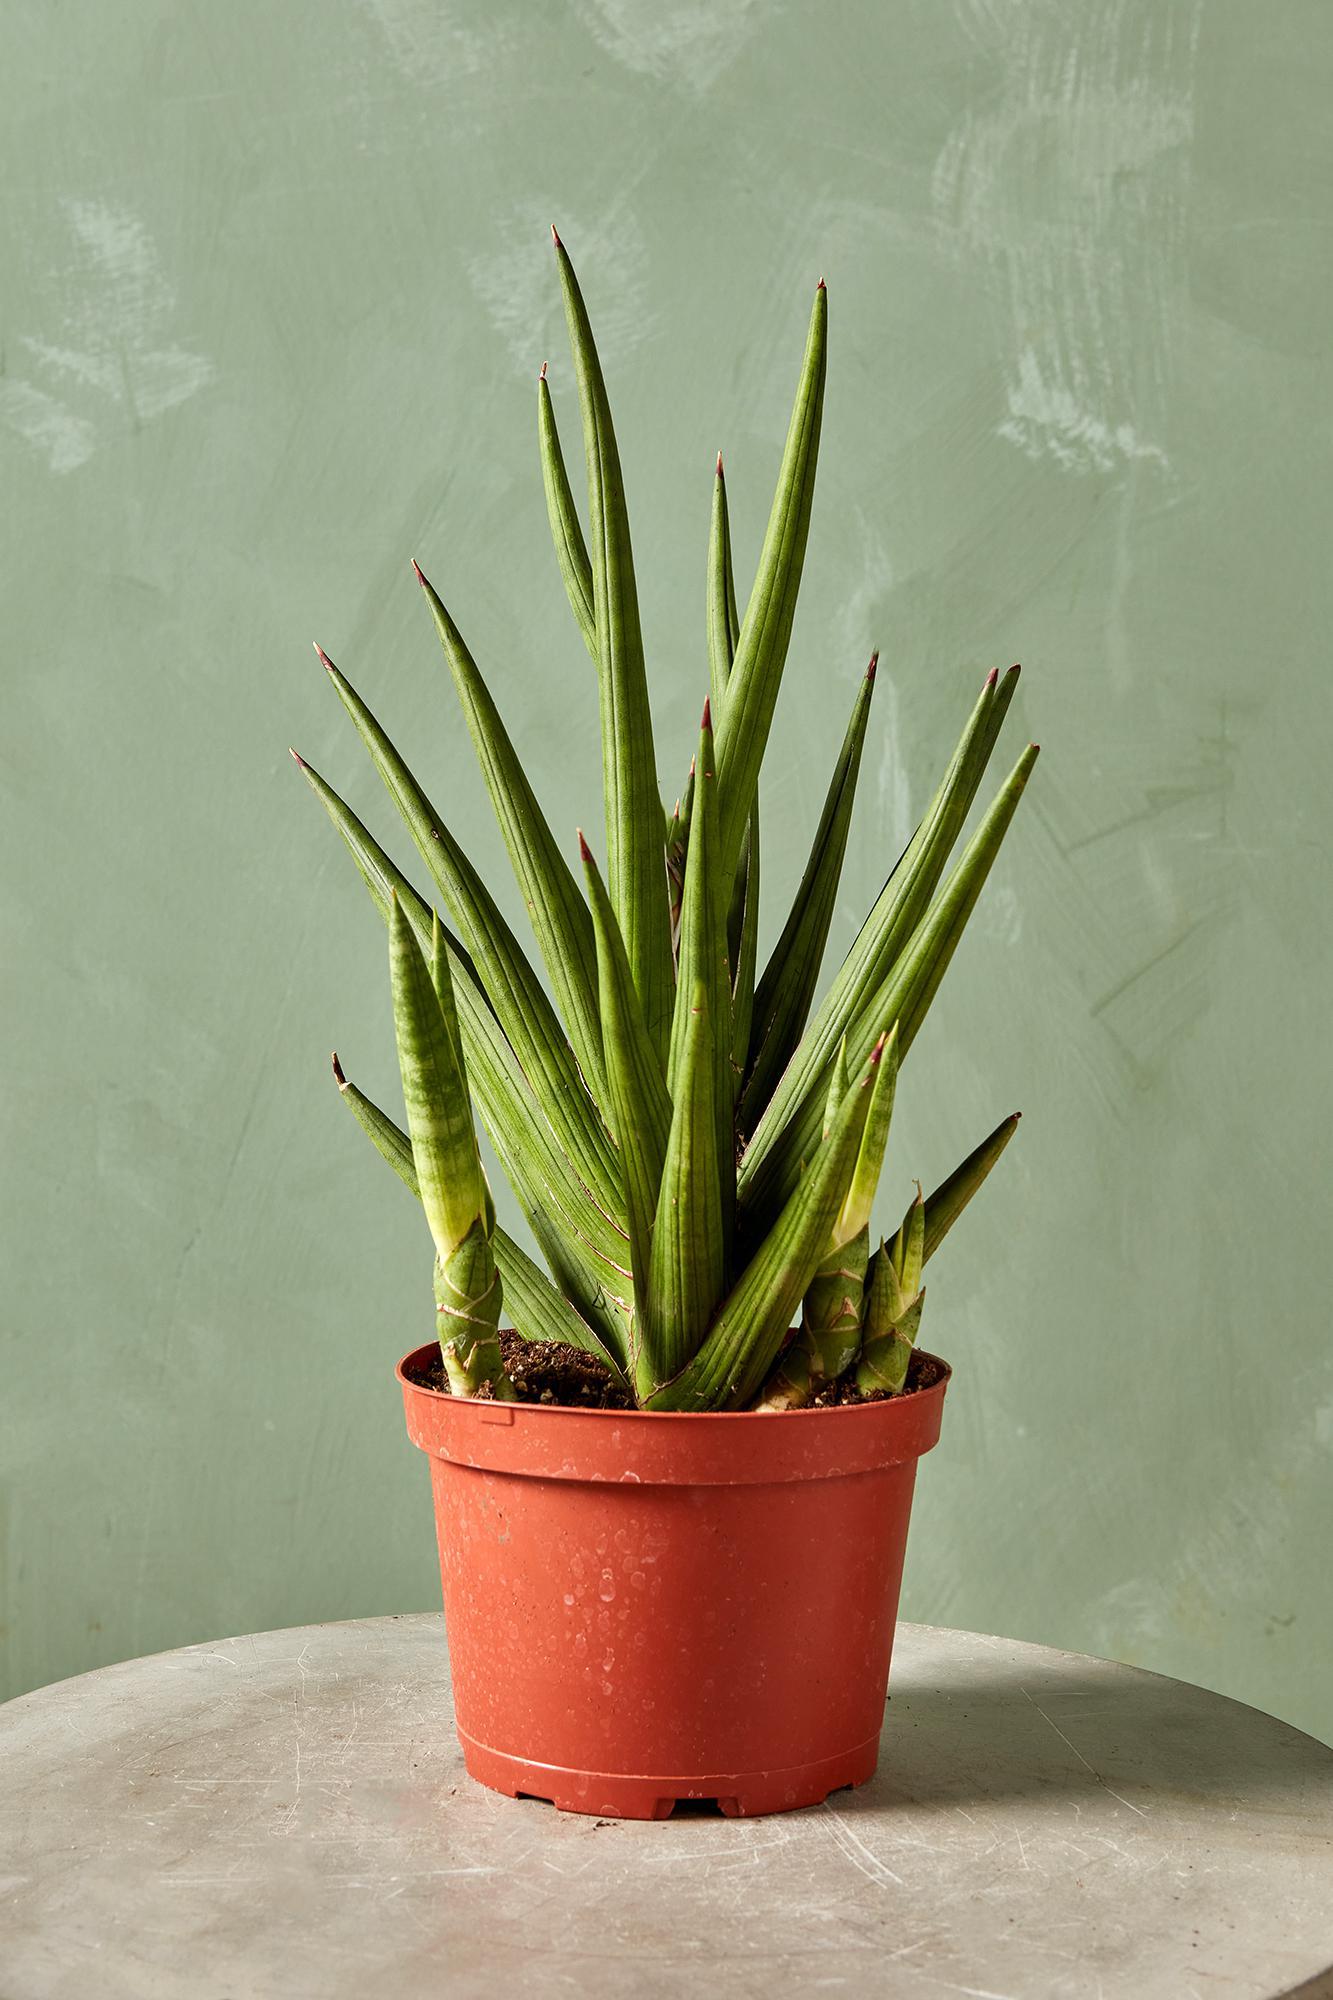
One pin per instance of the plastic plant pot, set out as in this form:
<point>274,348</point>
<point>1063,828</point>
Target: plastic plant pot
<point>646,1608</point>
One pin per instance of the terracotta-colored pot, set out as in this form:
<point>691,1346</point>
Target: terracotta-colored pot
<point>647,1607</point>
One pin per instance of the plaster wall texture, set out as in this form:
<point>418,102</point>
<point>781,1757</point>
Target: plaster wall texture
<point>277,288</point>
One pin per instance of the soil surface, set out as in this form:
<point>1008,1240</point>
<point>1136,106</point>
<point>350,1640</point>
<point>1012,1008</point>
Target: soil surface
<point>923,1372</point>
<point>544,1371</point>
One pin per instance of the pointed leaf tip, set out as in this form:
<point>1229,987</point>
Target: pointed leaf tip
<point>324,659</point>
<point>338,1076</point>
<point>992,677</point>
<point>719,465</point>
<point>298,759</point>
<point>707,722</point>
<point>555,237</point>
<point>542,376</point>
<point>821,286</point>
<point>585,852</point>
<point>870,670</point>
<point>420,574</point>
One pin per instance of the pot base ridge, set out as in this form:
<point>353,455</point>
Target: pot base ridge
<point>615,1795</point>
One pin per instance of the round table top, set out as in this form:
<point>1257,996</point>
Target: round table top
<point>287,1815</point>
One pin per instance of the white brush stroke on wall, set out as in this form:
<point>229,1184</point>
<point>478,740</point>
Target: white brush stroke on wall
<point>1070,183</point>
<point>108,344</point>
<point>684,41</point>
<point>429,44</point>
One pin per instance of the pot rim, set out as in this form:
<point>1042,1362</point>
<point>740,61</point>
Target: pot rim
<point>542,1410</point>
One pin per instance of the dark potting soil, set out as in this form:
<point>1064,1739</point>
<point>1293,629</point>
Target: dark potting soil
<point>923,1372</point>
<point>545,1371</point>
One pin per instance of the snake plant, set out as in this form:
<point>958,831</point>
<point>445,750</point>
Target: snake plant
<point>694,1143</point>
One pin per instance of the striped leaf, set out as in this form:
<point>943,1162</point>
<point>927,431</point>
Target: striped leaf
<point>723,618</point>
<point>382,877</point>
<point>743,948</point>
<point>637,1099</point>
<point>951,1197</point>
<point>533,1305</point>
<point>439,1110</point>
<point>635,872</point>
<point>516,994</point>
<point>908,1249</point>
<point>897,913</point>
<point>703,957</point>
<point>761,649</point>
<point>389,1140</point>
<point>891,1324</point>
<point>743,917</point>
<point>566,528</point>
<point>768,1176</point>
<point>593,1248</point>
<point>854,1216</point>
<point>747,1333</point>
<point>687,1265</point>
<point>787,988</point>
<point>556,910</point>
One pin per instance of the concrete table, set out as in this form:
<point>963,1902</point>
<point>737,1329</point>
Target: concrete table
<point>287,1815</point>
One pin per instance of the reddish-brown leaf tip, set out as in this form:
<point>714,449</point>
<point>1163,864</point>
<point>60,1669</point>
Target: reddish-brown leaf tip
<point>339,1078</point>
<point>585,852</point>
<point>874,663</point>
<point>878,1049</point>
<point>821,286</point>
<point>1015,1116</point>
<point>300,760</point>
<point>324,659</point>
<point>542,376</point>
<point>707,721</point>
<point>719,465</point>
<point>555,237</point>
<point>420,574</point>
<point>992,677</point>
<point>1015,669</point>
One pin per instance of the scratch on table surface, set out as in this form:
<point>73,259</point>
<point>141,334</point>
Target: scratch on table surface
<point>1081,1758</point>
<point>858,1853</point>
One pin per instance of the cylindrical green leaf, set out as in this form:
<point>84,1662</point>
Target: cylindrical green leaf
<point>761,648</point>
<point>566,528</point>
<point>687,1268</point>
<point>635,877</point>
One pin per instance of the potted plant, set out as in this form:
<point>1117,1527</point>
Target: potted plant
<point>672,1478</point>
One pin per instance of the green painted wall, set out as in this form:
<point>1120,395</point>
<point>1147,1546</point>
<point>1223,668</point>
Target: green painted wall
<point>276,289</point>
